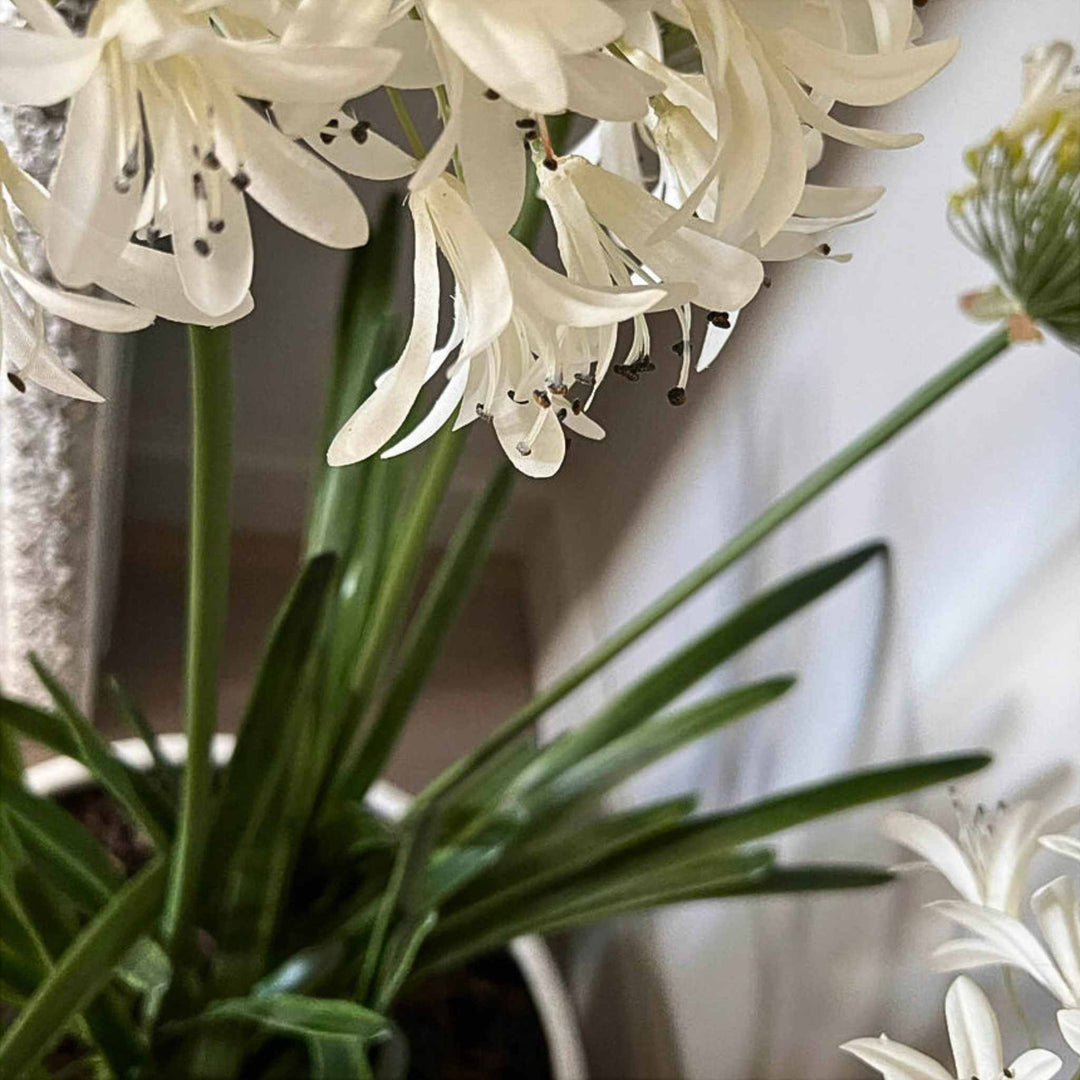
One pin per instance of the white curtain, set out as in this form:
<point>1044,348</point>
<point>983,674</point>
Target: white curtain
<point>977,618</point>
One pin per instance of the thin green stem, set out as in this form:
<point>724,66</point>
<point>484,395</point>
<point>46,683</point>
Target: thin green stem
<point>208,581</point>
<point>401,111</point>
<point>774,516</point>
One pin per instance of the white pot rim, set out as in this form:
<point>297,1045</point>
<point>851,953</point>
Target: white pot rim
<point>550,996</point>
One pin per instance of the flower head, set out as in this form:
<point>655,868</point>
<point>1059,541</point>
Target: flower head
<point>161,139</point>
<point>988,861</point>
<point>975,1038</point>
<point>1022,210</point>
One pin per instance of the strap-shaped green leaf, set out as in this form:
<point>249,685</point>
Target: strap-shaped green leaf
<point>66,853</point>
<point>126,787</point>
<point>83,970</point>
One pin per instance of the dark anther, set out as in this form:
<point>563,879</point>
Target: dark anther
<point>16,382</point>
<point>679,348</point>
<point>575,406</point>
<point>677,395</point>
<point>216,225</point>
<point>541,398</point>
<point>332,122</point>
<point>550,163</point>
<point>360,131</point>
<point>326,137</point>
<point>721,319</point>
<point>195,150</point>
<point>524,449</point>
<point>202,246</point>
<point>241,181</point>
<point>528,141</point>
<point>825,249</point>
<point>526,123</point>
<point>198,186</point>
<point>491,95</point>
<point>131,166</point>
<point>510,395</point>
<point>211,160</point>
<point>121,186</point>
<point>1008,1074</point>
<point>561,415</point>
<point>588,379</point>
<point>767,281</point>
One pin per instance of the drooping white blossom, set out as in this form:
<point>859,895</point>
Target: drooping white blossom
<point>975,1039</point>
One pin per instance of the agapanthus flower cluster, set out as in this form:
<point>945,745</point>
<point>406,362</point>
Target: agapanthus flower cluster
<point>988,865</point>
<point>1021,211</point>
<point>700,120</point>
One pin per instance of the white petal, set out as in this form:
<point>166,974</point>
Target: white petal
<point>1058,913</point>
<point>937,847</point>
<point>42,69</point>
<point>506,48</point>
<point>608,89</point>
<point>1006,939</point>
<point>1015,841</point>
<point>92,311</point>
<point>376,158</point>
<point>90,222</point>
<point>492,156</point>
<point>48,371</point>
<point>895,1061</point>
<point>726,277</point>
<point>830,202</point>
<point>336,22</point>
<point>1069,1022</point>
<point>417,69</point>
<point>315,73</point>
<point>863,79</point>
<point>216,282</point>
<point>298,189</point>
<point>1069,846</point>
<point>973,1030</point>
<point>514,424</point>
<point>439,413</point>
<point>583,425</point>
<point>482,281</point>
<point>1038,1064</point>
<point>41,15</point>
<point>376,420</point>
<point>566,303</point>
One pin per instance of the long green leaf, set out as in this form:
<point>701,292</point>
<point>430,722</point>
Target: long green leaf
<point>112,774</point>
<point>678,673</point>
<point>66,853</point>
<point>83,970</point>
<point>441,603</point>
<point>295,1014</point>
<point>653,740</point>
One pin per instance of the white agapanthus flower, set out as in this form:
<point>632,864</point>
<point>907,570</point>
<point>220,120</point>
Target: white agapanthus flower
<point>145,278</point>
<point>988,861</point>
<point>1062,844</point>
<point>160,138</point>
<point>975,1038</point>
<point>998,938</point>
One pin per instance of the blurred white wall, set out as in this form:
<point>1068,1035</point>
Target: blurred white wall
<point>981,505</point>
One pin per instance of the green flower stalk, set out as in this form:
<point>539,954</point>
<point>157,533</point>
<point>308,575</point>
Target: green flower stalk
<point>1022,211</point>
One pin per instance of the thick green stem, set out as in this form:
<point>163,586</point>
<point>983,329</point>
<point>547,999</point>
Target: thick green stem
<point>208,582</point>
<point>780,511</point>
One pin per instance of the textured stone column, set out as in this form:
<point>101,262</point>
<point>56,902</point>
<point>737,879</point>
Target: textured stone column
<point>61,470</point>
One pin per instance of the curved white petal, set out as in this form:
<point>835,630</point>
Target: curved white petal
<point>973,1030</point>
<point>830,202</point>
<point>1069,846</point>
<point>90,220</point>
<point>417,69</point>
<point>937,847</point>
<point>1057,911</point>
<point>716,337</point>
<point>271,71</point>
<point>608,89</point>
<point>92,311</point>
<point>336,22</point>
<point>1069,1022</point>
<point>373,158</point>
<point>863,79</point>
<point>895,1061</point>
<point>46,370</point>
<point>215,269</point>
<point>1038,1064</point>
<point>514,425</point>
<point>440,412</point>
<point>1007,939</point>
<point>385,410</point>
<point>43,69</point>
<point>585,426</point>
<point>297,188</point>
